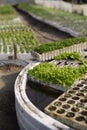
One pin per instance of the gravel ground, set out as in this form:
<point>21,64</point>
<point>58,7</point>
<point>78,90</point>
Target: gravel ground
<point>8,120</point>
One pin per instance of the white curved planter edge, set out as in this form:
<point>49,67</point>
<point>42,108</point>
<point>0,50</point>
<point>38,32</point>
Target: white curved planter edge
<point>30,117</point>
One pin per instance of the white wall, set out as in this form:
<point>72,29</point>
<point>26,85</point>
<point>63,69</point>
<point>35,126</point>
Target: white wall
<point>14,1</point>
<point>65,6</point>
<point>59,4</point>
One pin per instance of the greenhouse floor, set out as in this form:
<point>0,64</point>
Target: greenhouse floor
<point>8,120</point>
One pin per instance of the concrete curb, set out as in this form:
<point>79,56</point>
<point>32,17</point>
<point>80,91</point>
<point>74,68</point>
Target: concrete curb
<point>13,62</point>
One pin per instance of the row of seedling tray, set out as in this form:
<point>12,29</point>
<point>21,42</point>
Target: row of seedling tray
<point>23,38</point>
<point>13,32</point>
<point>50,50</point>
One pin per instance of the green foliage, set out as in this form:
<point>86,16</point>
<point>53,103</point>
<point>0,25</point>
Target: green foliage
<point>6,10</point>
<point>7,14</point>
<point>71,56</point>
<point>65,76</point>
<point>12,31</point>
<point>58,44</point>
<point>21,35</point>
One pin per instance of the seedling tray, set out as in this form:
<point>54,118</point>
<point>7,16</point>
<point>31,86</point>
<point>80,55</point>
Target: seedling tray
<point>48,86</point>
<point>51,54</point>
<point>71,107</point>
<point>54,87</point>
<point>62,63</point>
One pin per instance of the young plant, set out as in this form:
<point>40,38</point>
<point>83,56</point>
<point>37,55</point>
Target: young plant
<point>71,56</point>
<point>66,76</point>
<point>58,44</point>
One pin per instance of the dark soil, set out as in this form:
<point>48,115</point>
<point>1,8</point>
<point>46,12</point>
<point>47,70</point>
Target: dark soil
<point>8,120</point>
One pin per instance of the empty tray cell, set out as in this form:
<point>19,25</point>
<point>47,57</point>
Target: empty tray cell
<point>72,92</point>
<point>60,111</point>
<point>70,114</point>
<point>62,99</point>
<point>80,85</point>
<point>52,108</point>
<point>66,106</point>
<point>80,63</point>
<point>80,118</point>
<point>76,88</point>
<point>75,98</point>
<point>84,112</point>
<point>66,63</point>
<point>80,94</point>
<point>75,109</point>
<point>71,102</point>
<point>84,100</point>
